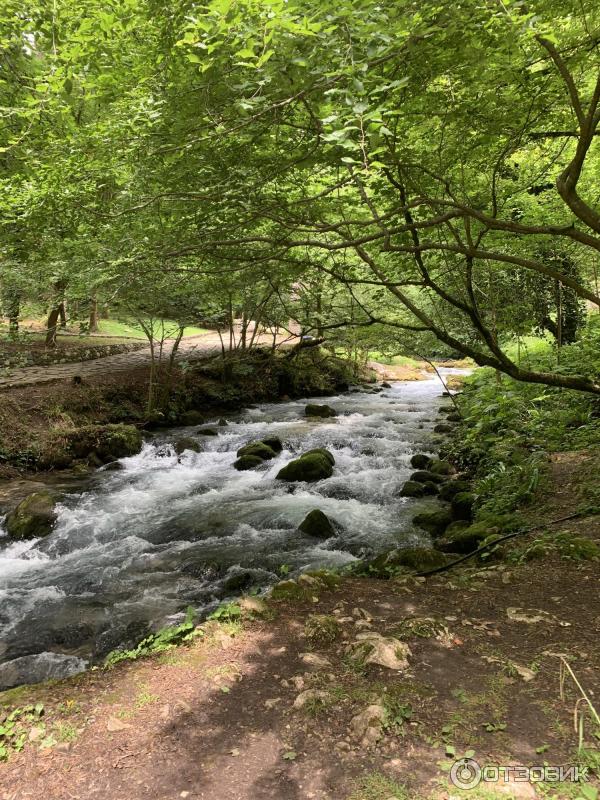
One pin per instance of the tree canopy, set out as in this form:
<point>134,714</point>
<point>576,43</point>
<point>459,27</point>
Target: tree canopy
<point>407,170</point>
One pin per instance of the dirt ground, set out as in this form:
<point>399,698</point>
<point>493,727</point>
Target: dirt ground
<point>262,710</point>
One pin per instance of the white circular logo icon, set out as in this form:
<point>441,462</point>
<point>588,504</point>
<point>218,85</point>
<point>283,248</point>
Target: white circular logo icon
<point>465,773</point>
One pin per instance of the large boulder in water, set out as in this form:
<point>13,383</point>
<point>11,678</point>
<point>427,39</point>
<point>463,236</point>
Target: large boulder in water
<point>186,443</point>
<point>412,489</point>
<point>247,462</point>
<point>33,517</point>
<point>321,451</point>
<point>317,524</point>
<point>259,449</point>
<point>420,461</point>
<point>312,466</point>
<point>274,442</point>
<point>315,410</point>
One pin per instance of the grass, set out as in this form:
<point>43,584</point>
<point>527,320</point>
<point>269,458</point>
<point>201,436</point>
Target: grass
<point>396,361</point>
<point>118,328</point>
<point>113,327</point>
<point>378,787</point>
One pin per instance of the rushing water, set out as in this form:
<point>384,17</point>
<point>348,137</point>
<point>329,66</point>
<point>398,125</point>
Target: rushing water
<point>140,544</point>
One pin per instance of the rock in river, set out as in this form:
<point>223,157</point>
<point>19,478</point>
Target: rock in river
<point>312,466</point>
<point>34,516</point>
<point>317,524</point>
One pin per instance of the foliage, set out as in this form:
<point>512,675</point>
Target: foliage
<point>159,642</point>
<point>14,728</point>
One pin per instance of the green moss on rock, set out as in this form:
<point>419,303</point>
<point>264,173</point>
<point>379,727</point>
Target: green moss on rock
<point>323,452</point>
<point>186,443</point>
<point>317,524</point>
<point>420,461</point>
<point>33,517</point>
<point>309,467</point>
<point>259,449</point>
<point>247,462</point>
<point>440,467</point>
<point>462,505</point>
<point>412,489</point>
<point>450,489</point>
<point>434,522</point>
<point>274,442</point>
<point>316,410</point>
<point>426,476</point>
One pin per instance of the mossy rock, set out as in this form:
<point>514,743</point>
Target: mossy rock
<point>186,443</point>
<point>440,467</point>
<point>420,461</point>
<point>421,559</point>
<point>288,590</point>
<point>258,449</point>
<point>442,427</point>
<point>460,537</point>
<point>207,432</point>
<point>238,582</point>
<point>321,451</point>
<point>316,410</point>
<point>34,516</point>
<point>412,489</point>
<point>247,462</point>
<point>109,442</point>
<point>462,505</point>
<point>309,467</point>
<point>321,629</point>
<point>430,488</point>
<point>426,476</point>
<point>454,417</point>
<point>450,489</point>
<point>274,442</point>
<point>434,522</point>
<point>329,579</point>
<point>394,562</point>
<point>317,524</point>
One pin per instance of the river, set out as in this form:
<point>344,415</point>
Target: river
<point>132,548</point>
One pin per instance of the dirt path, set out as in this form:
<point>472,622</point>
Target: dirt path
<point>190,348</point>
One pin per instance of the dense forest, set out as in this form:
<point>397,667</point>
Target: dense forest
<point>211,215</point>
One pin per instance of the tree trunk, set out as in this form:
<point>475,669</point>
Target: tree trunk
<point>52,327</point>
<point>93,321</point>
